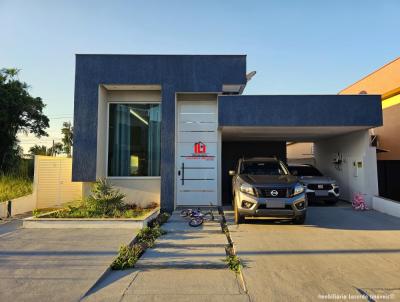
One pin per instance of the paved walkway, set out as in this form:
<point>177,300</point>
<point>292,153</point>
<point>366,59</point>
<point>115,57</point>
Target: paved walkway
<point>338,251</point>
<point>54,265</point>
<point>186,265</point>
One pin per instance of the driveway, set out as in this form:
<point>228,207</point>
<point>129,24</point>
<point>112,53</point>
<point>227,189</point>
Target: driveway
<point>186,264</point>
<point>338,251</point>
<point>54,265</point>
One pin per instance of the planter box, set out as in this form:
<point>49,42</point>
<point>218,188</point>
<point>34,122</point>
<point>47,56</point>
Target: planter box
<point>19,205</point>
<point>386,206</point>
<point>89,223</point>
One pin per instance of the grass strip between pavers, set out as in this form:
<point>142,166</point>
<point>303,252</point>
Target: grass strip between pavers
<point>129,254</point>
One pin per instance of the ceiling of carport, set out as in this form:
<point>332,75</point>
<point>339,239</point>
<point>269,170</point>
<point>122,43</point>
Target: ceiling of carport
<point>231,133</point>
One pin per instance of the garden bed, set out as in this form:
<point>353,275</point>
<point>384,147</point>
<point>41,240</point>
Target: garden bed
<point>44,222</point>
<point>103,208</point>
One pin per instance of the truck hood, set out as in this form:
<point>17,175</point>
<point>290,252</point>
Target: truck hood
<point>269,179</point>
<point>316,180</point>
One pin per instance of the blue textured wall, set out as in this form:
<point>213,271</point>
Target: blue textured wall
<point>175,73</point>
<point>300,110</point>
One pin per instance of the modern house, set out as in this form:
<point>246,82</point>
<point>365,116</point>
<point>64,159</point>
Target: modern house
<point>167,128</point>
<point>385,82</point>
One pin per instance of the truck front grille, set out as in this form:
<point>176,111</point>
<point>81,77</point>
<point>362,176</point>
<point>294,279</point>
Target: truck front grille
<point>269,192</point>
<point>316,186</point>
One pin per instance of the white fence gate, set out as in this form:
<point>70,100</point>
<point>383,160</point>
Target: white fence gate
<point>53,184</point>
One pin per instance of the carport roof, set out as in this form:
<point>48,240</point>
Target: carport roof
<point>296,117</point>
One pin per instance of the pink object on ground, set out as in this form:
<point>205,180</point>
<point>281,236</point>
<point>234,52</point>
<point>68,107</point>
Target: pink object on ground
<point>358,202</point>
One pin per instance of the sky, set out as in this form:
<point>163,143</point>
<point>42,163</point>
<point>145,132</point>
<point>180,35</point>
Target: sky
<point>296,47</point>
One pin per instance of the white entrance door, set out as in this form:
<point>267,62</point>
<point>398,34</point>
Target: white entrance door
<point>197,153</point>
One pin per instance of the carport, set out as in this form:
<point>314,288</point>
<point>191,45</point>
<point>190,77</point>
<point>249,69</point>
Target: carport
<point>338,125</point>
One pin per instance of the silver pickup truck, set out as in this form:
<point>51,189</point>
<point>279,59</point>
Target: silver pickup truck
<point>263,187</point>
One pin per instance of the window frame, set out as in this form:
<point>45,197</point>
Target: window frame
<point>108,137</point>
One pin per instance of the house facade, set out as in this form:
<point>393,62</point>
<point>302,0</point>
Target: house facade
<point>385,81</point>
<point>167,128</point>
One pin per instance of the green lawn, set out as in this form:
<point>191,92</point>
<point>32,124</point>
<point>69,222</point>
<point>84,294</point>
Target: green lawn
<point>13,187</point>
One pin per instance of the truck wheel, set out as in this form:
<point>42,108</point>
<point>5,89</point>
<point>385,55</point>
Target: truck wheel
<point>238,218</point>
<point>300,219</point>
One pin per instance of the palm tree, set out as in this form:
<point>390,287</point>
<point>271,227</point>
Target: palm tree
<point>68,135</point>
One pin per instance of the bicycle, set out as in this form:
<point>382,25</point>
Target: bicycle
<point>359,203</point>
<point>197,217</point>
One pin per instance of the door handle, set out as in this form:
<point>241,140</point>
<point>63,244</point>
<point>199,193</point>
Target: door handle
<point>183,174</point>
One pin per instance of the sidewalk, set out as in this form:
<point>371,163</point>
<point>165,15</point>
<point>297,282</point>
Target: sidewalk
<point>54,264</point>
<point>186,265</point>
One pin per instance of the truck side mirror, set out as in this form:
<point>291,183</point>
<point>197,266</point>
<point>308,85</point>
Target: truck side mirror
<point>232,173</point>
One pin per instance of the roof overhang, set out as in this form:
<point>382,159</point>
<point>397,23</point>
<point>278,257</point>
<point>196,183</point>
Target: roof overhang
<point>296,117</point>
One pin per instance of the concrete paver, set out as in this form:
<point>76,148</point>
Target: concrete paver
<point>338,251</point>
<point>55,264</point>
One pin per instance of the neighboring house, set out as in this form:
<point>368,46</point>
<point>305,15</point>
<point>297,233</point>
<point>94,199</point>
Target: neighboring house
<point>167,128</point>
<point>300,153</point>
<point>385,82</point>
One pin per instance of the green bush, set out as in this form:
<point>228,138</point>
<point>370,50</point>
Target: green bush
<point>103,202</point>
<point>127,257</point>
<point>147,236</point>
<point>159,220</point>
<point>13,187</point>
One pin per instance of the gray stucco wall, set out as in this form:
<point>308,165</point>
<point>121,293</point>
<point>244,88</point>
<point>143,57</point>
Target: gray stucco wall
<point>175,73</point>
<point>300,110</point>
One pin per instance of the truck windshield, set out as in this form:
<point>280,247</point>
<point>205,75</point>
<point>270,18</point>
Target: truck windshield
<point>263,168</point>
<point>305,171</point>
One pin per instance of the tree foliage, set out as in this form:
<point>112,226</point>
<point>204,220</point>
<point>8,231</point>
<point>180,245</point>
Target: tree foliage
<point>38,150</point>
<point>68,134</point>
<point>19,112</point>
<point>56,149</point>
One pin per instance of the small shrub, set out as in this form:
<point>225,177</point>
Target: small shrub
<point>104,199</point>
<point>163,218</point>
<point>127,257</point>
<point>36,212</point>
<point>147,236</point>
<point>233,263</point>
<point>159,220</point>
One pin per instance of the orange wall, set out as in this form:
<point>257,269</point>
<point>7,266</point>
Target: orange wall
<point>384,81</point>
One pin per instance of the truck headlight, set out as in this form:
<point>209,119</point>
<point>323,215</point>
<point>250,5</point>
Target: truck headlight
<point>298,189</point>
<point>246,188</point>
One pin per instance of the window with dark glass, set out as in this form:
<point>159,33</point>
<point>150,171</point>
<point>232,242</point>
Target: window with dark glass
<point>134,140</point>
